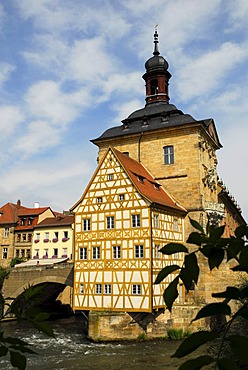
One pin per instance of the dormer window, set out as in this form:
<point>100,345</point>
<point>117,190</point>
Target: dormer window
<point>156,186</point>
<point>141,179</point>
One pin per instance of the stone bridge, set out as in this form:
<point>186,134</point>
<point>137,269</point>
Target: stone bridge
<point>57,280</point>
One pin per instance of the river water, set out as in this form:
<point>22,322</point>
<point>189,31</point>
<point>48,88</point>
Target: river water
<point>72,350</point>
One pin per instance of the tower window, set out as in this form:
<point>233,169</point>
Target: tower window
<point>154,87</point>
<point>168,154</point>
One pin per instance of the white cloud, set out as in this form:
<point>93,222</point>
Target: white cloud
<point>5,71</point>
<point>46,100</point>
<point>10,118</point>
<point>199,76</point>
<point>125,109</point>
<point>39,135</point>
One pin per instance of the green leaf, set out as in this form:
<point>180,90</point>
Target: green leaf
<point>165,272</point>
<point>241,231</point>
<point>243,257</point>
<point>191,265</point>
<point>18,360</point>
<point>195,238</point>
<point>193,342</point>
<point>3,350</point>
<point>15,341</point>
<point>213,309</point>
<point>239,345</point>
<point>216,233</point>
<point>171,293</point>
<point>172,248</point>
<point>235,246</point>
<point>186,278</point>
<point>230,292</point>
<point>196,225</point>
<point>43,327</point>
<point>243,312</point>
<point>227,364</point>
<point>215,257</point>
<point>196,363</point>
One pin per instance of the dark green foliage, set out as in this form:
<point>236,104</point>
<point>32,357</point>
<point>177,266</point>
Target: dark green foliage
<point>23,310</point>
<point>217,250</point>
<point>177,334</point>
<point>16,261</point>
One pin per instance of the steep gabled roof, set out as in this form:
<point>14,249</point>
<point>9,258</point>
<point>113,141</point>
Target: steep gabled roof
<point>149,188</point>
<point>145,183</point>
<point>9,213</point>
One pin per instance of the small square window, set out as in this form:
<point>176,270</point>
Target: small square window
<point>99,200</point>
<point>81,288</point>
<point>107,289</point>
<point>6,232</point>
<point>110,176</point>
<point>98,288</point>
<point>5,253</point>
<point>122,197</point>
<point>136,289</point>
<point>175,224</point>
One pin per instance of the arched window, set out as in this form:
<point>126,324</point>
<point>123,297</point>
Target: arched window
<point>154,87</point>
<point>168,154</point>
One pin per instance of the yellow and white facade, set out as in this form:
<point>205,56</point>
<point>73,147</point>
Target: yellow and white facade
<point>122,220</point>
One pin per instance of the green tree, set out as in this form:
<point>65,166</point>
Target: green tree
<point>216,250</point>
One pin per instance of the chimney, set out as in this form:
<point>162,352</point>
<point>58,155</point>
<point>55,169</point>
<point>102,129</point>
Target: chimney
<point>36,205</point>
<point>18,203</point>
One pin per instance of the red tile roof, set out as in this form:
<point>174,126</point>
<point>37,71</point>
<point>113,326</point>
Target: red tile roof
<point>149,187</point>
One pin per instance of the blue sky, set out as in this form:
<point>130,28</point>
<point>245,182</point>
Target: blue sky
<point>69,69</point>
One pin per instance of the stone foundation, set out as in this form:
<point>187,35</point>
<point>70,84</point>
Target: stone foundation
<point>117,326</point>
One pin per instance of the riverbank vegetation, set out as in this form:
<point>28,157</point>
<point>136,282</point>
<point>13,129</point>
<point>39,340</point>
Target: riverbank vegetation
<point>231,345</point>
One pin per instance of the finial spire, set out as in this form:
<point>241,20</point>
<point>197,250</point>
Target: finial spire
<point>156,51</point>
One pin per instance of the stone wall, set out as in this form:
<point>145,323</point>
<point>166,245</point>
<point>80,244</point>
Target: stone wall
<point>118,326</point>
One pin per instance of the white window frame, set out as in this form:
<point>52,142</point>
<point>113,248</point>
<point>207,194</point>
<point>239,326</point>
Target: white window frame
<point>136,220</point>
<point>169,154</point>
<point>139,251</point>
<point>5,253</point>
<point>156,220</point>
<point>122,197</point>
<point>116,252</point>
<point>107,289</point>
<point>6,232</point>
<point>136,289</point>
<point>157,254</point>
<point>98,288</point>
<point>83,253</point>
<point>81,288</point>
<point>96,253</point>
<point>110,221</point>
<point>86,224</point>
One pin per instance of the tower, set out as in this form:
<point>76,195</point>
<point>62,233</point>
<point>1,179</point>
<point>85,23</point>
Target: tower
<point>179,150</point>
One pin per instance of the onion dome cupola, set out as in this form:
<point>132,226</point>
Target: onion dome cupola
<point>156,76</point>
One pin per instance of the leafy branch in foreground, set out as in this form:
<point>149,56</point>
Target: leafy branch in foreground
<point>24,308</point>
<point>216,249</point>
